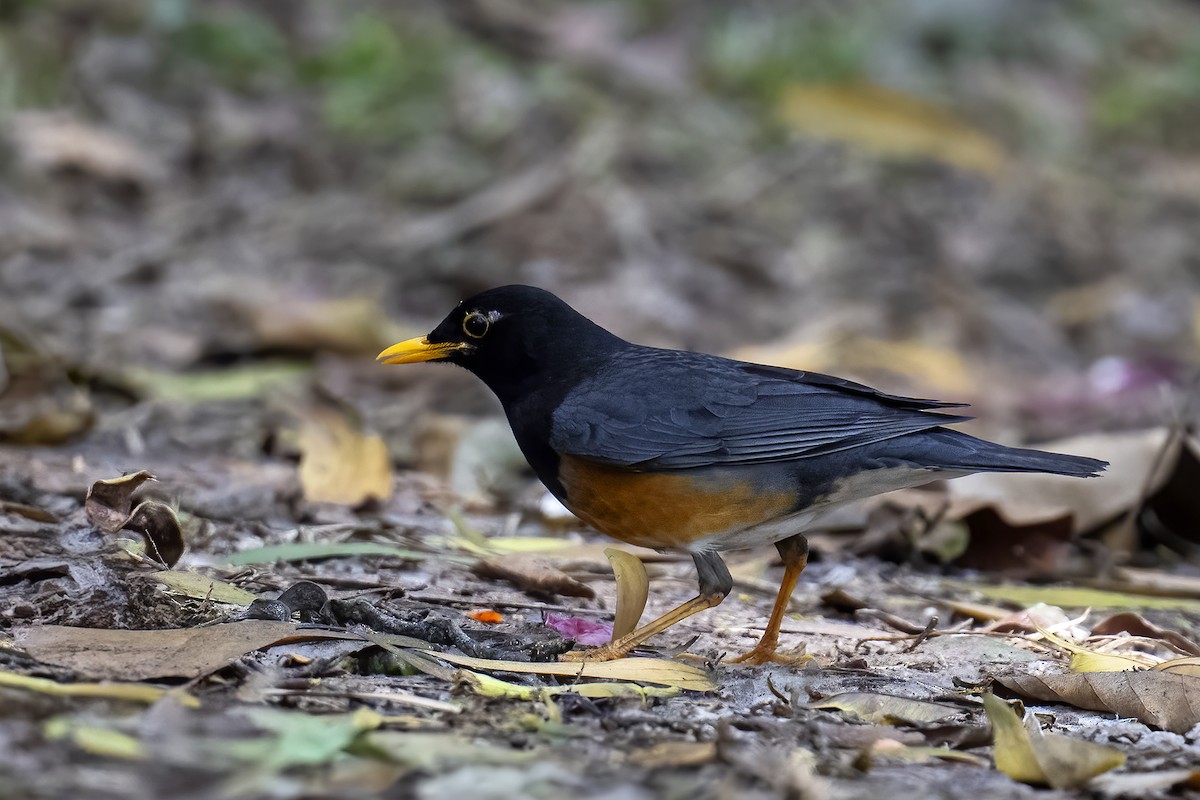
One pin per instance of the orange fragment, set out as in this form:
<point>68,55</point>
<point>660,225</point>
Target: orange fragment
<point>486,615</point>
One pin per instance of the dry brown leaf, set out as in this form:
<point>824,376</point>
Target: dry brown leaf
<point>137,655</point>
<point>339,464</point>
<point>1161,699</point>
<point>889,123</point>
<point>633,590</point>
<point>533,575</point>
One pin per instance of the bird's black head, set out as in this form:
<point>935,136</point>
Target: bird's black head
<point>510,336</point>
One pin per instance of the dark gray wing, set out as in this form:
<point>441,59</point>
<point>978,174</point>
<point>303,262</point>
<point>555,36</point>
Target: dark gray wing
<point>659,409</point>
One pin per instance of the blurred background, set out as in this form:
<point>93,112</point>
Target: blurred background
<point>213,212</point>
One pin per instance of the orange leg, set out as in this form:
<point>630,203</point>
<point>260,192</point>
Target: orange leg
<point>715,585</point>
<point>794,552</point>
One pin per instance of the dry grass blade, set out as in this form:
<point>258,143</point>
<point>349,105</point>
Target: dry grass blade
<point>633,589</point>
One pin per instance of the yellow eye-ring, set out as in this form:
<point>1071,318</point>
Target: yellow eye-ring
<point>475,325</point>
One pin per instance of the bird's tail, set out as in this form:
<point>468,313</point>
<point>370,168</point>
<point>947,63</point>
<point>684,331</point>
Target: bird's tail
<point>951,450</point>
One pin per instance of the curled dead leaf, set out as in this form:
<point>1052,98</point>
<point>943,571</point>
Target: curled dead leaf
<point>633,589</point>
<point>109,503</point>
<point>159,526</point>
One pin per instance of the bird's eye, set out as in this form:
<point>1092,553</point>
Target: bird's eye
<point>475,325</point>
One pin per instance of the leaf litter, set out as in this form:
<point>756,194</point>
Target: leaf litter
<point>214,277</point>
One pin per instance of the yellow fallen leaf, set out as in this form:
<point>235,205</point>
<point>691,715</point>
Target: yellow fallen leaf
<point>633,589</point>
<point>488,686</point>
<point>1026,754</point>
<point>641,670</point>
<point>1084,659</point>
<point>889,123</point>
<point>339,464</point>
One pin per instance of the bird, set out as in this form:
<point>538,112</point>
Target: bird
<point>684,451</point>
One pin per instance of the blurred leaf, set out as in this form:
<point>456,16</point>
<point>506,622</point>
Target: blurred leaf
<point>532,575</point>
<point>302,739</point>
<point>130,692</point>
<point>886,750</point>
<point>202,587</point>
<point>227,383</point>
<point>1074,597</point>
<point>339,464</point>
<point>103,742</point>
<point>886,708</point>
<point>39,404</point>
<point>55,142</point>
<point>933,368</point>
<point>107,506</point>
<point>1145,784</point>
<point>633,589</point>
<point>1161,699</point>
<point>1026,754</point>
<point>888,123</point>
<point>303,551</point>
<point>441,751</point>
<point>351,325</point>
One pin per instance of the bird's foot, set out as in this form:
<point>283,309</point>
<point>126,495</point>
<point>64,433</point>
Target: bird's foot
<point>603,653</point>
<point>770,654</point>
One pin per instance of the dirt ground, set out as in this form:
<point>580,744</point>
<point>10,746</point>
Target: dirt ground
<point>343,580</point>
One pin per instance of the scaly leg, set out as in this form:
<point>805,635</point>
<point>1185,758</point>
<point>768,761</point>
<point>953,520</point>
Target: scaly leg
<point>794,552</point>
<point>715,585</point>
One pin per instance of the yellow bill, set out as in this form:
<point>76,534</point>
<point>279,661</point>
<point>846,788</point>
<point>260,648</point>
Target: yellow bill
<point>412,351</point>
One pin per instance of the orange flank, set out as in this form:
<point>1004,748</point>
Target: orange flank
<point>665,510</point>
